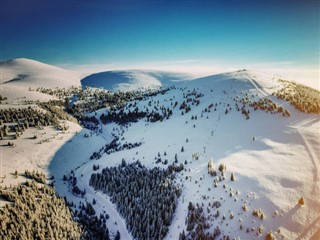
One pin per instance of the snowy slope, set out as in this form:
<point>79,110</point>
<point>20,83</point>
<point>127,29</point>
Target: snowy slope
<point>275,159</point>
<point>131,80</point>
<point>18,75</point>
<point>37,74</point>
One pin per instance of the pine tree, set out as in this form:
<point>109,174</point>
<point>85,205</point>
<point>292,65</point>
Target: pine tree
<point>118,236</point>
<point>232,177</point>
<point>301,201</point>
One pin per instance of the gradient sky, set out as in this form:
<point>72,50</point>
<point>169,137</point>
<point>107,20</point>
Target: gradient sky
<point>283,34</point>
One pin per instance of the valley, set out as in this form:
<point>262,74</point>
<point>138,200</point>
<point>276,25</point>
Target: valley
<point>225,156</point>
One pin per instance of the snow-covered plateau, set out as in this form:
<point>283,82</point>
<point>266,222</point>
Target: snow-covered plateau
<point>247,142</point>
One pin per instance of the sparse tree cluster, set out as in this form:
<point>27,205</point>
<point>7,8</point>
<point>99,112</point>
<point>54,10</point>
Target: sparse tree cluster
<point>2,98</point>
<point>37,176</point>
<point>198,225</point>
<point>184,106</point>
<point>92,99</point>
<point>61,93</point>
<point>258,213</point>
<point>91,122</point>
<point>191,97</point>
<point>113,146</point>
<point>211,169</point>
<point>14,121</point>
<point>265,104</point>
<point>146,198</point>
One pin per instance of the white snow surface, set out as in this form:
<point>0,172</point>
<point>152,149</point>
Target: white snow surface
<point>272,172</point>
<point>18,75</point>
<point>136,80</point>
<point>131,80</point>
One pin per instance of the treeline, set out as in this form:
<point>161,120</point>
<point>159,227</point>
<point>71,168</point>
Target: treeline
<point>26,117</point>
<point>13,121</point>
<point>113,146</point>
<point>124,114</point>
<point>90,99</point>
<point>57,108</point>
<point>146,198</point>
<point>61,93</point>
<point>123,108</point>
<point>122,118</point>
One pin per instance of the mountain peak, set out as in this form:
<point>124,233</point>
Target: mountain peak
<point>37,74</point>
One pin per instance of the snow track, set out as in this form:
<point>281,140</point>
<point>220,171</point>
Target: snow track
<point>312,231</point>
<point>258,87</point>
<point>103,202</point>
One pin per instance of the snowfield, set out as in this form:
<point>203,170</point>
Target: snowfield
<point>20,75</point>
<point>132,80</point>
<point>275,159</point>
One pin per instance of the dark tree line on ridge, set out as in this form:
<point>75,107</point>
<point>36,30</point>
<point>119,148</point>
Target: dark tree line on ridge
<point>113,146</point>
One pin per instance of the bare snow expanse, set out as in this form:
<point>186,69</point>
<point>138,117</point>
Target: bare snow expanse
<point>18,75</point>
<point>33,154</point>
<point>131,80</point>
<point>275,159</point>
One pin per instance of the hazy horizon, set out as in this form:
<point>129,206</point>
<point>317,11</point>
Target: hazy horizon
<point>198,37</point>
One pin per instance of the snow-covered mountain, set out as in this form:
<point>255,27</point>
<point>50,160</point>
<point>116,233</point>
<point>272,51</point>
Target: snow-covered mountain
<point>37,74</point>
<point>128,80</point>
<point>273,157</point>
<point>233,118</point>
<point>20,75</point>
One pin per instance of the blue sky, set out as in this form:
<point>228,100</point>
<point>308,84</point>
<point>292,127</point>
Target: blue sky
<point>142,33</point>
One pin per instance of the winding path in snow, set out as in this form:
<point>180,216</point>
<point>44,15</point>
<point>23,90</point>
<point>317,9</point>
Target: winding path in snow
<point>103,201</point>
<point>313,230</point>
<point>258,87</point>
